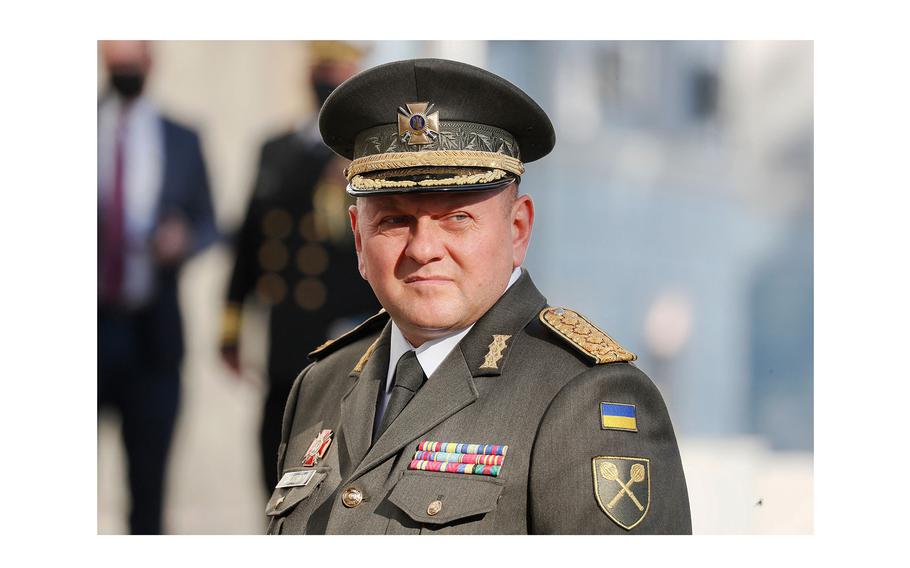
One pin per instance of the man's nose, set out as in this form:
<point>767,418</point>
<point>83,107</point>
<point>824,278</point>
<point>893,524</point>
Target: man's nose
<point>424,241</point>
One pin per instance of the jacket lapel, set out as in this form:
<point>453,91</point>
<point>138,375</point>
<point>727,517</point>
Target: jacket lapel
<point>358,407</point>
<point>450,390</point>
<point>487,347</point>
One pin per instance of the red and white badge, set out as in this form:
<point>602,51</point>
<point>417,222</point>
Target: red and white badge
<point>318,448</point>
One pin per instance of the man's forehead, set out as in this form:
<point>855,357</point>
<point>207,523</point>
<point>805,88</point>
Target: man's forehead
<point>125,52</point>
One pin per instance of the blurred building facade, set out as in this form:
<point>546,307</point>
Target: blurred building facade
<point>680,191</point>
<point>675,212</point>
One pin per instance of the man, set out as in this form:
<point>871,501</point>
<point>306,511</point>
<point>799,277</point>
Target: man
<point>295,252</point>
<point>154,212</point>
<point>468,405</point>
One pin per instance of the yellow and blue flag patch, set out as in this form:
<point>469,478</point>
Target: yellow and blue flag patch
<point>618,416</point>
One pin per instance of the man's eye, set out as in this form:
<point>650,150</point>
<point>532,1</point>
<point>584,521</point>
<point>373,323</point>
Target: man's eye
<point>393,220</point>
<point>459,217</point>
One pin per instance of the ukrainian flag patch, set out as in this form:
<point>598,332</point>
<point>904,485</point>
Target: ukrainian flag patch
<point>618,416</point>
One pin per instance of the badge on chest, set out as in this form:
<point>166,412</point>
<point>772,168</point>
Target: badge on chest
<point>455,457</point>
<point>295,478</point>
<point>318,448</point>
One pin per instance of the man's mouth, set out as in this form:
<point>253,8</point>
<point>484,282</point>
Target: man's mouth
<point>426,279</point>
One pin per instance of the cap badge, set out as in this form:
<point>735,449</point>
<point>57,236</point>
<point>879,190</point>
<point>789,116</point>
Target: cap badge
<point>418,123</point>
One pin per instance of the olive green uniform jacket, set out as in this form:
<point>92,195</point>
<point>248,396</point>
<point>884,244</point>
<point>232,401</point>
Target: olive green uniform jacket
<point>538,391</point>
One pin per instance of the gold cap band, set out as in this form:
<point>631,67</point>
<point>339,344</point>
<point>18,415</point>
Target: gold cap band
<point>443,158</point>
<point>361,183</point>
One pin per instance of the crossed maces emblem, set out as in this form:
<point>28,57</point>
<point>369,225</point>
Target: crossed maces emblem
<point>622,487</point>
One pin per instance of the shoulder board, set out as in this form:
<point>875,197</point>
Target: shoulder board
<point>584,336</point>
<point>377,321</point>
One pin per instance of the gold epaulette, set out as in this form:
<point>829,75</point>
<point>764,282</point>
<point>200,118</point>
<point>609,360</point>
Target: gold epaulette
<point>584,336</point>
<point>357,332</point>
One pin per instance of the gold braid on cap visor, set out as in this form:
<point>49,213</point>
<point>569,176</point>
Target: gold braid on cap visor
<point>449,158</point>
<point>363,184</point>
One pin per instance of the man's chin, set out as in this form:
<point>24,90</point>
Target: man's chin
<point>434,325</point>
<point>429,324</point>
<point>431,302</point>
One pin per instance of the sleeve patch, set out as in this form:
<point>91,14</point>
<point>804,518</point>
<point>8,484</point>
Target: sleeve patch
<point>622,487</point>
<point>618,416</point>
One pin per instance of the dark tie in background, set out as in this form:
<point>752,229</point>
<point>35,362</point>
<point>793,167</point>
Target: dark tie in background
<point>114,235</point>
<point>409,378</point>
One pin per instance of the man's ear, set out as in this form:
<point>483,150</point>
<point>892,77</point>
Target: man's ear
<point>522,223</point>
<point>358,244</point>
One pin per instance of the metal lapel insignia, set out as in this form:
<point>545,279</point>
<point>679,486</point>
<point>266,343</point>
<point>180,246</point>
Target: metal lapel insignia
<point>497,346</point>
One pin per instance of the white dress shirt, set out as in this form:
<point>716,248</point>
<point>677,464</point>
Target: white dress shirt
<point>143,175</point>
<point>430,355</point>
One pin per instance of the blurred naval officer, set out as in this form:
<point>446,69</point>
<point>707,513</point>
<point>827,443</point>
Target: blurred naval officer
<point>295,251</point>
<point>468,404</point>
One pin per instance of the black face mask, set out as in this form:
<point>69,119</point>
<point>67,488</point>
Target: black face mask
<point>127,83</point>
<point>323,90</point>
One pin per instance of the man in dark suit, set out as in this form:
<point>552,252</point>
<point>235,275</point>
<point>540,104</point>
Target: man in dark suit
<point>468,405</point>
<point>154,212</point>
<point>295,252</point>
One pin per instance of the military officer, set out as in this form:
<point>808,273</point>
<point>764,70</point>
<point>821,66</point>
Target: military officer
<point>468,405</point>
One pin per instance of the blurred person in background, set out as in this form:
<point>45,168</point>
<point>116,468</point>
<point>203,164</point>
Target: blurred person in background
<point>154,213</point>
<point>295,251</point>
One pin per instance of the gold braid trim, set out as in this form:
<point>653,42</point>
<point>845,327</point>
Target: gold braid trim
<point>451,158</point>
<point>362,183</point>
<point>579,332</point>
<point>366,356</point>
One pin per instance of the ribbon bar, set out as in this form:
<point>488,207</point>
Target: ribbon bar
<point>457,448</point>
<point>453,467</point>
<point>483,459</point>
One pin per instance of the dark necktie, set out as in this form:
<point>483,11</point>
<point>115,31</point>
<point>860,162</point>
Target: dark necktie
<point>113,242</point>
<point>409,378</point>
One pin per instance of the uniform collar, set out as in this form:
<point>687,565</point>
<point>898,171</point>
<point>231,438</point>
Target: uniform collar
<point>487,346</point>
<point>432,353</point>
